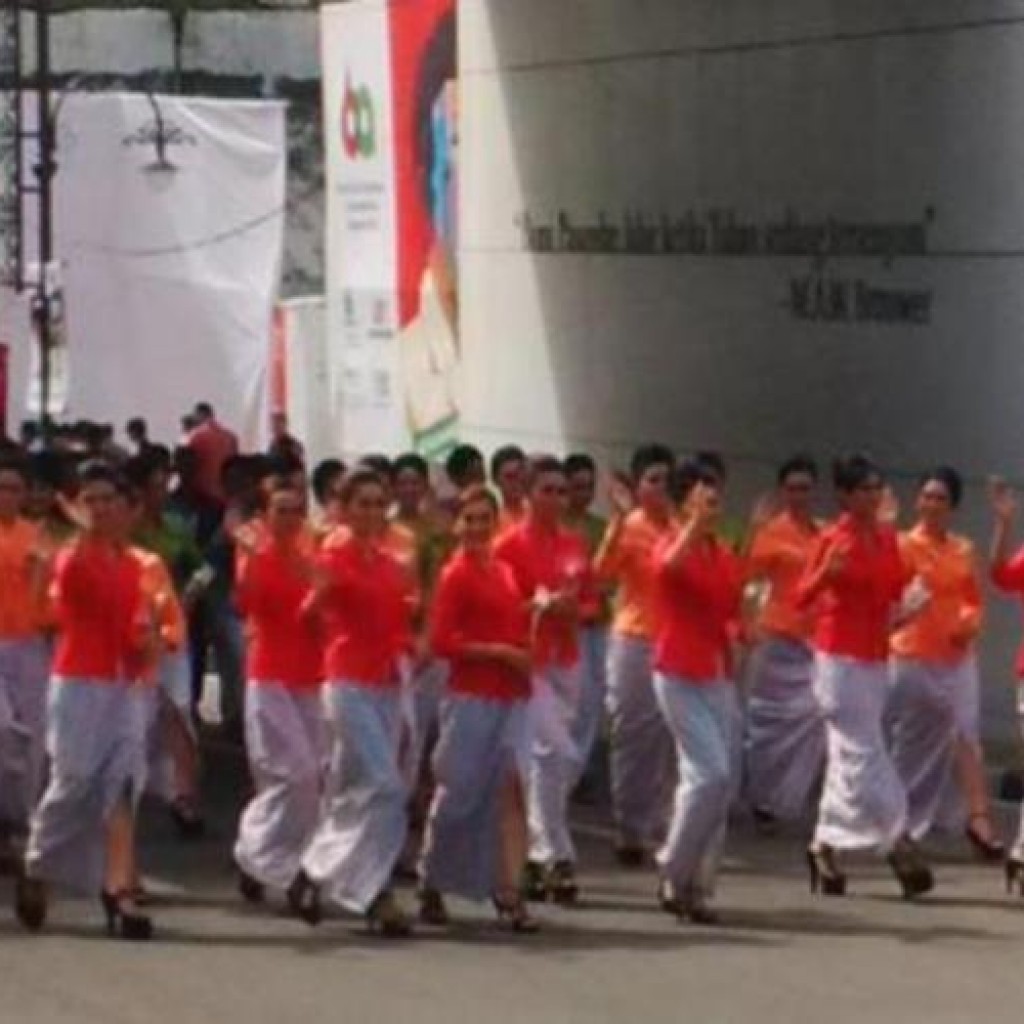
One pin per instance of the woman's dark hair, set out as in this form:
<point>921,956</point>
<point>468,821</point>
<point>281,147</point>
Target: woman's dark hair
<point>579,462</point>
<point>852,471</point>
<point>503,456</point>
<point>714,463</point>
<point>687,474</point>
<point>541,465</point>
<point>802,464</point>
<point>380,464</point>
<point>357,480</point>
<point>437,68</point>
<point>461,460</point>
<point>647,456</point>
<point>96,471</point>
<point>325,475</point>
<point>949,478</point>
<point>411,461</point>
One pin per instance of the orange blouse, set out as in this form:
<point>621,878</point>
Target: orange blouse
<point>778,556</point>
<point>21,603</point>
<point>629,562</point>
<point>945,628</point>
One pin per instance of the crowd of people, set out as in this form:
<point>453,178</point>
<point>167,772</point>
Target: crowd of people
<point>422,662</point>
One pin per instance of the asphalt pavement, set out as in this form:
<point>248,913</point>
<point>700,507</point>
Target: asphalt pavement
<point>779,953</point>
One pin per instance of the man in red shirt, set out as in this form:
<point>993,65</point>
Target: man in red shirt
<point>213,444</point>
<point>82,834</point>
<point>552,567</point>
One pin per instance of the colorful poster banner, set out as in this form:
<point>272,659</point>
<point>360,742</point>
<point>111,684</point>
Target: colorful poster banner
<point>392,308</point>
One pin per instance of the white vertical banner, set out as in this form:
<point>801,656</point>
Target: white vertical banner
<point>361,227</point>
<point>307,391</point>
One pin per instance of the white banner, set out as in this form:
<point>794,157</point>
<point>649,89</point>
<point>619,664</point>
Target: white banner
<point>307,385</point>
<point>169,217</point>
<point>361,235</point>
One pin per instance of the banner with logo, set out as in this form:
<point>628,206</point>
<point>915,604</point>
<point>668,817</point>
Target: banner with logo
<point>392,309</point>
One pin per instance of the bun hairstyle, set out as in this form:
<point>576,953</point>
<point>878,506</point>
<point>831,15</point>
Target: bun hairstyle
<point>949,478</point>
<point>852,471</point>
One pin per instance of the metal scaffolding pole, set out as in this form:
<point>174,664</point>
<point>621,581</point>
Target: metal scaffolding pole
<point>11,135</point>
<point>44,169</point>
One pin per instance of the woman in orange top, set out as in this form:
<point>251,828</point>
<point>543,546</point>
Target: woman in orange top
<point>641,745</point>
<point>364,600</point>
<point>785,741</point>
<point>82,834</point>
<point>934,703</point>
<point>476,837</point>
<point>699,585</point>
<point>284,720</point>
<point>24,662</point>
<point>854,582</point>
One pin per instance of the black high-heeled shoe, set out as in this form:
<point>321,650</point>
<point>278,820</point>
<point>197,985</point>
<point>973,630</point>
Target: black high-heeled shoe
<point>187,820</point>
<point>986,849</point>
<point>1013,869</point>
<point>911,870</point>
<point>668,900</point>
<point>514,914</point>
<point>30,903</point>
<point>304,899</point>
<point>825,876</point>
<point>122,922</point>
<point>561,883</point>
<point>251,890</point>
<point>432,909</point>
<point>388,917</point>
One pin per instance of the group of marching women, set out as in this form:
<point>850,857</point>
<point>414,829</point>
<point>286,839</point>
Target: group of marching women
<point>428,677</point>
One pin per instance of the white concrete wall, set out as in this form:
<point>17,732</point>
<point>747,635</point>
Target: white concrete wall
<point>869,112</point>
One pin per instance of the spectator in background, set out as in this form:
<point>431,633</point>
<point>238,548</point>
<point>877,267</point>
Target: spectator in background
<point>465,467</point>
<point>328,478</point>
<point>283,444</point>
<point>137,431</point>
<point>214,445</point>
<point>31,437</point>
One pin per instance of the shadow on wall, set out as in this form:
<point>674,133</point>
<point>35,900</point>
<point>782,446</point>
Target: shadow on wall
<point>626,341</point>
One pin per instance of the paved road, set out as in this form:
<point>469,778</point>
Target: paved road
<point>779,955</point>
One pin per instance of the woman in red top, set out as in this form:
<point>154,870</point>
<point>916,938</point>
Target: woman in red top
<point>284,720</point>
<point>854,582</point>
<point>698,585</point>
<point>552,568</point>
<point>475,843</point>
<point>1007,571</point>
<point>364,599</point>
<point>82,834</point>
